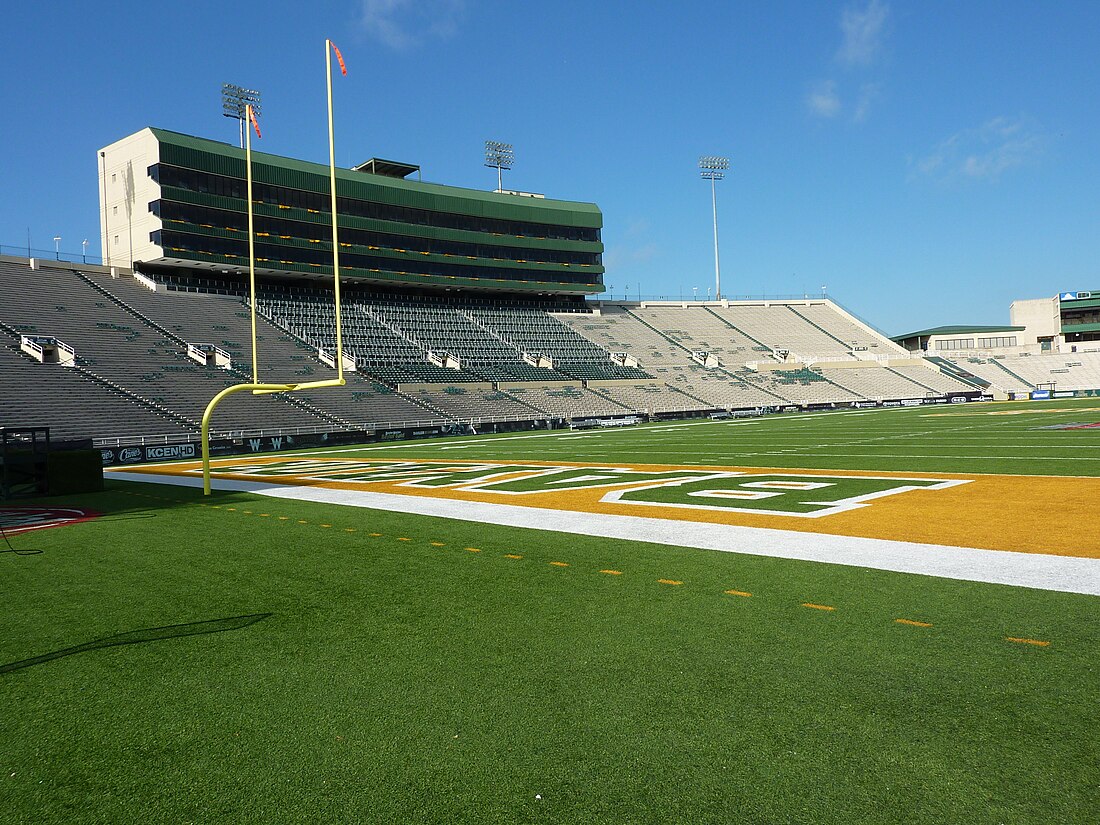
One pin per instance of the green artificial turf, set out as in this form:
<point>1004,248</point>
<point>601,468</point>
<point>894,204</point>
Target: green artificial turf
<point>278,671</point>
<point>998,438</point>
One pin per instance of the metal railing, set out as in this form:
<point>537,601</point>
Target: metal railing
<point>56,254</point>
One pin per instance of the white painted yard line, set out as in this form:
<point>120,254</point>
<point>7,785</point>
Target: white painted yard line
<point>1041,571</point>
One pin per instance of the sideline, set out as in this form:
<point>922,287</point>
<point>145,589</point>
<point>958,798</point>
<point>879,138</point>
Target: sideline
<point>1044,572</point>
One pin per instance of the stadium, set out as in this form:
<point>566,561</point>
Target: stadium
<point>543,556</point>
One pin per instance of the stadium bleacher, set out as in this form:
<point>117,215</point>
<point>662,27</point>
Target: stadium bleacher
<point>1021,373</point>
<point>566,401</point>
<point>444,360</point>
<point>117,346</point>
<point>71,403</point>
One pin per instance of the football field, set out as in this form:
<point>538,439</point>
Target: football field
<point>867,616</point>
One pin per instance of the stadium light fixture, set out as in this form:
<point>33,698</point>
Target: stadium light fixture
<point>499,156</point>
<point>235,100</point>
<point>713,167</point>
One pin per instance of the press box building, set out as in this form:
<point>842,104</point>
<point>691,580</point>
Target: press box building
<point>172,202</point>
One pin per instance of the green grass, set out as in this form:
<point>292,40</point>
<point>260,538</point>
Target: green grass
<point>401,681</point>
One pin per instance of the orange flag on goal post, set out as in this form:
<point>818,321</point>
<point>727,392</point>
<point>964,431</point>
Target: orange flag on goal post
<point>339,59</point>
<point>255,123</point>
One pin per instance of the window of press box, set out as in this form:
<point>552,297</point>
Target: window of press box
<point>208,183</point>
<point>303,230</point>
<point>273,255</point>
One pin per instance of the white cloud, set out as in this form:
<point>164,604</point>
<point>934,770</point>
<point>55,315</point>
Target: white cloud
<point>863,30</point>
<point>983,153</point>
<point>823,99</point>
<point>403,24</point>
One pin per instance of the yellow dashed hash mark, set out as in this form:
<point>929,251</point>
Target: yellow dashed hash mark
<point>668,581</point>
<point>559,564</point>
<point>817,606</point>
<point>434,543</point>
<point>913,623</point>
<point>403,538</point>
<point>326,525</point>
<point>612,572</point>
<point>1020,641</point>
<point>376,535</point>
<point>738,593</point>
<point>512,556</point>
<point>349,529</point>
<point>302,521</point>
<point>230,508</point>
<point>473,549</point>
<point>264,515</point>
<point>284,518</point>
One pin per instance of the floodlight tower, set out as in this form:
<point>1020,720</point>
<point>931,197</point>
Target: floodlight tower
<point>501,156</point>
<point>714,168</point>
<point>234,101</point>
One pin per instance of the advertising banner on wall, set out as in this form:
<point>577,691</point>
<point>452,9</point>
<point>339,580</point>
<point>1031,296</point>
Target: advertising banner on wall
<point>144,453</point>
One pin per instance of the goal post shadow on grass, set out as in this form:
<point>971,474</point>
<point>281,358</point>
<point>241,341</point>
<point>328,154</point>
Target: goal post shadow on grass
<point>256,386</point>
<point>145,634</point>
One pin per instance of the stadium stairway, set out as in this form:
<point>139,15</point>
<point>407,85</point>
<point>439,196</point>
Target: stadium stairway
<point>1015,375</point>
<point>740,331</point>
<point>934,380</point>
<point>675,343</point>
<point>855,334</point>
<point>874,382</point>
<point>729,370</point>
<point>832,392</point>
<point>285,356</point>
<point>844,344</point>
<point>958,372</point>
<point>73,403</point>
<point>118,347</point>
<point>916,381</point>
<point>241,373</point>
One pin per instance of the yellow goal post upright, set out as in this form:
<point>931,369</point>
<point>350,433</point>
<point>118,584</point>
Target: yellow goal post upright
<point>256,386</point>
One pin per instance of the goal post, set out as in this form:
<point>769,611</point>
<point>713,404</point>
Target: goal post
<point>256,386</point>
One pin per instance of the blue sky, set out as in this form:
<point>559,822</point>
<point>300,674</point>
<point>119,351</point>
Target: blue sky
<point>929,162</point>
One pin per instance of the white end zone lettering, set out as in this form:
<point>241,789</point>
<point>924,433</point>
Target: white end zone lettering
<point>787,495</point>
